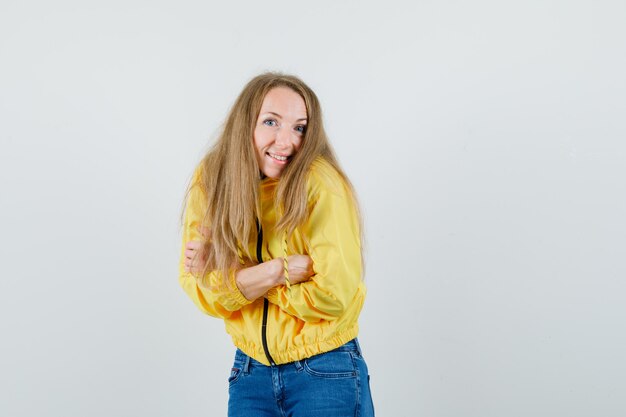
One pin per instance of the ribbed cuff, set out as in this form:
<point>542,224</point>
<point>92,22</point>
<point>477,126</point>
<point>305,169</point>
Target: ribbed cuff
<point>235,293</point>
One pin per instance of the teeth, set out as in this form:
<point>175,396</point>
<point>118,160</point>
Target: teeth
<point>280,158</point>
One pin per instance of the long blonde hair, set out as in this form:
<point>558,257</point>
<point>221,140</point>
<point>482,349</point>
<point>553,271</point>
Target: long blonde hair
<point>231,174</point>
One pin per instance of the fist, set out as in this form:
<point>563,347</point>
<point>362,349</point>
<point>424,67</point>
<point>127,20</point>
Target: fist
<point>195,254</point>
<point>300,268</point>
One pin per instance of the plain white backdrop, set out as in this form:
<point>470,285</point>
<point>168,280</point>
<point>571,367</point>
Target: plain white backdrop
<point>485,140</point>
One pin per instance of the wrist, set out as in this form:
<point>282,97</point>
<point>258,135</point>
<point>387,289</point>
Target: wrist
<point>275,271</point>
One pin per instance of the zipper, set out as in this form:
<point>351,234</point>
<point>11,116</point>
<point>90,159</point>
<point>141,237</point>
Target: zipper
<point>259,257</point>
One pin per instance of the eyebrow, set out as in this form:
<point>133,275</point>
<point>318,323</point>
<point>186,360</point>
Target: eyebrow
<point>278,115</point>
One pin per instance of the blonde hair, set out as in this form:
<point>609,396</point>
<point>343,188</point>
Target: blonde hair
<point>231,174</point>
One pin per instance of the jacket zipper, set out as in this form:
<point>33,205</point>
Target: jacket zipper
<point>259,257</point>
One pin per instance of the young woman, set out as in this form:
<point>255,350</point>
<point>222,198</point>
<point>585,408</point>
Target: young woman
<point>272,245</point>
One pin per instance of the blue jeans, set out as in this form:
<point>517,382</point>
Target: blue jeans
<point>334,383</point>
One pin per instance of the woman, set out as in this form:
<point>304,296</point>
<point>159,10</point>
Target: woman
<point>272,245</point>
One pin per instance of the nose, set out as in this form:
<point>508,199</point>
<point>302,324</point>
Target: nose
<point>283,138</point>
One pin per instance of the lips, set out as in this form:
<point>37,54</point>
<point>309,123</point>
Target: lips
<point>277,157</point>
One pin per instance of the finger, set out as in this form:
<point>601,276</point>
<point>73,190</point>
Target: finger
<point>194,244</point>
<point>190,253</point>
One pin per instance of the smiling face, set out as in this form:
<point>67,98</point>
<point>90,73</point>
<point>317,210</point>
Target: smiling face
<point>279,130</point>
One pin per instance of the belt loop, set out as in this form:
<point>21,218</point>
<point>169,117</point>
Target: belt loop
<point>246,365</point>
<point>358,347</point>
<point>298,365</point>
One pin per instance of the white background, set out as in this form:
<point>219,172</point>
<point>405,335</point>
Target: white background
<point>486,142</point>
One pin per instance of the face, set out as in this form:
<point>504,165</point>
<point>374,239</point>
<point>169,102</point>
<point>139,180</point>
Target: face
<point>279,130</point>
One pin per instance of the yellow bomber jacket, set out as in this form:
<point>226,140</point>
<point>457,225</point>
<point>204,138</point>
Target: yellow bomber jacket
<point>312,317</point>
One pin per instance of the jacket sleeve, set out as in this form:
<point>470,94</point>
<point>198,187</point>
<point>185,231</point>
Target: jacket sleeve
<point>334,244</point>
<point>209,292</point>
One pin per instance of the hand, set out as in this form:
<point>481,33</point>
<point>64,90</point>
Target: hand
<point>195,255</point>
<point>300,268</point>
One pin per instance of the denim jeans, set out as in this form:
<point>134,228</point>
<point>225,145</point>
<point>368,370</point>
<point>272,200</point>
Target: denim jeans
<point>334,383</point>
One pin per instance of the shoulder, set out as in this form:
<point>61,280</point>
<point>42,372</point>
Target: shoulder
<point>196,191</point>
<point>323,177</point>
<point>196,184</point>
<point>198,173</point>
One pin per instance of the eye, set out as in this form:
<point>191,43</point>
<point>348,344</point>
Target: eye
<point>270,122</point>
<point>301,128</point>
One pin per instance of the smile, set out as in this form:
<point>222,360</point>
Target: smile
<point>279,158</point>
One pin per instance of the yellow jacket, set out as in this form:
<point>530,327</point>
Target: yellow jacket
<point>315,316</point>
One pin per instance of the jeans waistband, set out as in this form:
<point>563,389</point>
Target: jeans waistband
<point>351,346</point>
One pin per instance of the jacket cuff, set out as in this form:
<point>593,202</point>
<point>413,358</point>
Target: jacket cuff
<point>235,293</point>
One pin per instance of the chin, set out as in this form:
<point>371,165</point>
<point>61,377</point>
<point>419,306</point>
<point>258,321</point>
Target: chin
<point>272,174</point>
